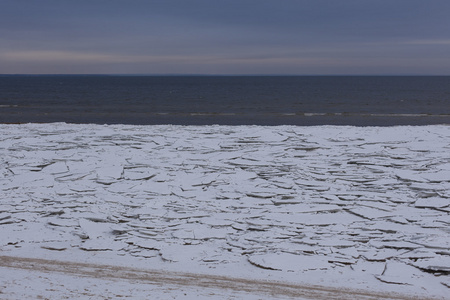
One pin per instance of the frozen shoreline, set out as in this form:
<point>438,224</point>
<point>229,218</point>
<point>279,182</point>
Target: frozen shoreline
<point>341,206</point>
<point>211,285</point>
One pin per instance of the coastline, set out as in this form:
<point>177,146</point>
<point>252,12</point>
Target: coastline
<point>20,116</point>
<point>211,286</point>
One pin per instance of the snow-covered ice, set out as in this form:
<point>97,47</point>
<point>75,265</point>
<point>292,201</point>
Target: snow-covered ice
<point>362,208</point>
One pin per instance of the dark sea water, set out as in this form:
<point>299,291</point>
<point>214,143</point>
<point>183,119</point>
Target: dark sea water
<point>228,100</point>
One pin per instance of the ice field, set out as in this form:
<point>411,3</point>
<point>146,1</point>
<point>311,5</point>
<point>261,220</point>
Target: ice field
<point>349,208</point>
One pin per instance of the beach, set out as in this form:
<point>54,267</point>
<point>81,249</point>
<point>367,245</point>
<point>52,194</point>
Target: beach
<point>357,209</point>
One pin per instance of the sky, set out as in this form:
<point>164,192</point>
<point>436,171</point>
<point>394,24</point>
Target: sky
<point>227,37</point>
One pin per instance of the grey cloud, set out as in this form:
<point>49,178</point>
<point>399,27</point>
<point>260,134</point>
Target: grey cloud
<point>277,35</point>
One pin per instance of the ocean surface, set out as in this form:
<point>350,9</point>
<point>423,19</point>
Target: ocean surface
<point>226,100</point>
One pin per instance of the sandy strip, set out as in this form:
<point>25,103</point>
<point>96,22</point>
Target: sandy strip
<point>180,279</point>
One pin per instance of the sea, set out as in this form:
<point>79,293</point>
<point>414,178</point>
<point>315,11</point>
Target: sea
<point>226,100</point>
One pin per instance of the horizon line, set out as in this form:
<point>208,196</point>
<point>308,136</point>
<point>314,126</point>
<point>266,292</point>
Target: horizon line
<point>218,75</point>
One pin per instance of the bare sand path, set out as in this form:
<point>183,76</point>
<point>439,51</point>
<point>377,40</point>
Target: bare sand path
<point>180,279</point>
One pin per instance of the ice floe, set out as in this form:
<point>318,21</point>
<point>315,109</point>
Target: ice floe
<point>370,202</point>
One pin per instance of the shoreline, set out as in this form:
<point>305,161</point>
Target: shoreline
<point>180,280</point>
<point>200,119</point>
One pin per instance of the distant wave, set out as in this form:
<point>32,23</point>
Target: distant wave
<point>369,115</point>
<point>305,114</point>
<point>242,113</point>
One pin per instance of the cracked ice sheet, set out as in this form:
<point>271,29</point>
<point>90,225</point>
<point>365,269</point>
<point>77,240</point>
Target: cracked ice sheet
<point>348,204</point>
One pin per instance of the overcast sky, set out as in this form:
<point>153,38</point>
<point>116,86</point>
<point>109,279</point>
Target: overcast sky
<point>305,37</point>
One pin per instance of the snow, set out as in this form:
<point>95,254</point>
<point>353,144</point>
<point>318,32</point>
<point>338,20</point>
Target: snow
<point>348,208</point>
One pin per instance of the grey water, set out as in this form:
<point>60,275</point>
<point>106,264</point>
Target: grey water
<point>226,100</point>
